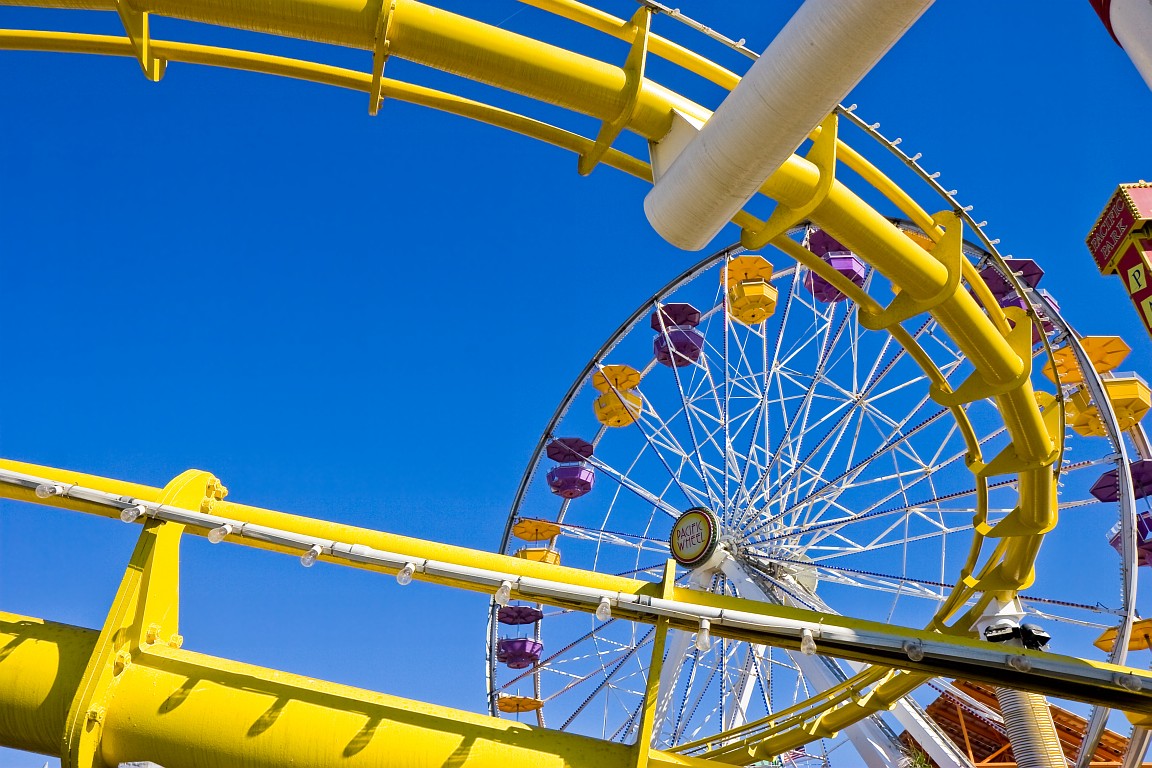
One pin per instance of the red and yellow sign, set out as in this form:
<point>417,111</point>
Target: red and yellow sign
<point>1121,244</point>
<point>693,538</point>
<point>1135,268</point>
<point>1129,209</point>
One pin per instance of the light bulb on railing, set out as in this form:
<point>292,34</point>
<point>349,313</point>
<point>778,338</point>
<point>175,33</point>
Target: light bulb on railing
<point>404,575</point>
<point>217,535</point>
<point>44,490</point>
<point>913,649</point>
<point>308,559</point>
<point>503,593</point>
<point>133,513</point>
<point>704,635</point>
<point>807,643</point>
<point>604,610</point>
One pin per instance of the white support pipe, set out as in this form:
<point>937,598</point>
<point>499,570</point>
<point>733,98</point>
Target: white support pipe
<point>1130,22</point>
<point>821,54</point>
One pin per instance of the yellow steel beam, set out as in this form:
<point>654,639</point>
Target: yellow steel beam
<point>179,708</point>
<point>763,623</point>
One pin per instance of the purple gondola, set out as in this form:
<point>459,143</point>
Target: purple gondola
<point>833,253</point>
<point>677,342</point>
<point>518,652</point>
<point>519,614</point>
<point>1143,544</point>
<point>572,477</point>
<point>1028,271</point>
<point>1106,487</point>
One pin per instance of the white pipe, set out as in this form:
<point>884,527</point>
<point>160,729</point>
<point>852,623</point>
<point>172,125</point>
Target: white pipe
<point>1028,720</point>
<point>1130,22</point>
<point>819,56</point>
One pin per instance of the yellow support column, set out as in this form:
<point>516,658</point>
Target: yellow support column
<point>655,668</point>
<point>144,612</point>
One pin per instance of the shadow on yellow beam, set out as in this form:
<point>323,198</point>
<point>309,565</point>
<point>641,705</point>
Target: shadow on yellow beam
<point>177,708</point>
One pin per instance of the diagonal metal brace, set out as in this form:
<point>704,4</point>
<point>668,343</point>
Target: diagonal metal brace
<point>136,25</point>
<point>822,154</point>
<point>949,252</point>
<point>380,56</point>
<point>634,65</point>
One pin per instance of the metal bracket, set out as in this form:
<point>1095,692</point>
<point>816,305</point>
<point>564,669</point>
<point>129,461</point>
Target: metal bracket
<point>380,57</point>
<point>144,612</point>
<point>822,154</point>
<point>136,25</point>
<point>949,252</point>
<point>975,387</point>
<point>641,22</point>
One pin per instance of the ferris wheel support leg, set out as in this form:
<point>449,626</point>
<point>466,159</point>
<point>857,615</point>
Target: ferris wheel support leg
<point>872,739</point>
<point>1137,748</point>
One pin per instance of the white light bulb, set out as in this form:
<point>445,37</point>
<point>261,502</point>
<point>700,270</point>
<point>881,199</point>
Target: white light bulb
<point>604,610</point>
<point>704,635</point>
<point>217,535</point>
<point>404,575</point>
<point>45,490</point>
<point>131,514</point>
<point>308,559</point>
<point>504,593</point>
<point>914,650</point>
<point>1129,683</point>
<point>1020,663</point>
<point>807,643</point>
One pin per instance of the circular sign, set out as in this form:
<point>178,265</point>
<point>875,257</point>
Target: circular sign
<point>693,538</point>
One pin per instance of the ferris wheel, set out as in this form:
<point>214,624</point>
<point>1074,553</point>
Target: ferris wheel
<point>744,422</point>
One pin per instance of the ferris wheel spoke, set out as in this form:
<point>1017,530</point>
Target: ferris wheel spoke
<point>875,376</point>
<point>625,482</point>
<point>873,547</point>
<point>687,411</point>
<point>608,675</point>
<point>800,416</point>
<point>843,481</point>
<point>638,423</point>
<point>662,434</point>
<point>925,505</point>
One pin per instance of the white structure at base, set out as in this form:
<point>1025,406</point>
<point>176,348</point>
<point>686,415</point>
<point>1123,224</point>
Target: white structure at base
<point>819,56</point>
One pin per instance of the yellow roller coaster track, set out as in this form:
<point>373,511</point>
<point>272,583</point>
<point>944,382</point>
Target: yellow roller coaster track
<point>621,98</point>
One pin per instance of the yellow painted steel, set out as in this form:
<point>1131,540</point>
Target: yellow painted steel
<point>929,277</point>
<point>177,708</point>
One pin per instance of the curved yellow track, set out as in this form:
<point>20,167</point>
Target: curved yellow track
<point>932,283</point>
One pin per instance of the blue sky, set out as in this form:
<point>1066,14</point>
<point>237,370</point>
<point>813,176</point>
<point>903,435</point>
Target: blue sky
<point>371,319</point>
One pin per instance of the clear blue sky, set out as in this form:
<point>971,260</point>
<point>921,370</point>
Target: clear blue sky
<point>251,276</point>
